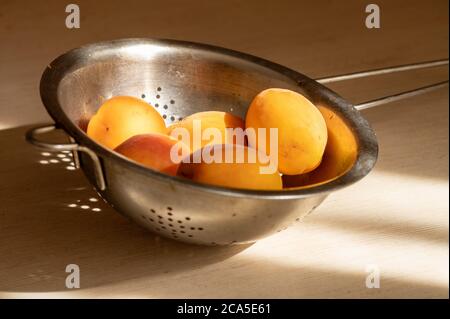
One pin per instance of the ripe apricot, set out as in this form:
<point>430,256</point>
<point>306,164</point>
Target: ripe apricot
<point>153,151</point>
<point>205,121</point>
<point>122,117</point>
<point>339,156</point>
<point>302,131</point>
<point>243,174</point>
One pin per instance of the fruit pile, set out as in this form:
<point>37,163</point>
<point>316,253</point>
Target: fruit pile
<point>135,129</point>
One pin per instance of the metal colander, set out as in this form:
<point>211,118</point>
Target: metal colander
<point>181,78</point>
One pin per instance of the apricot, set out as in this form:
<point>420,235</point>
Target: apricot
<point>302,131</point>
<point>153,151</point>
<point>236,173</point>
<point>122,117</point>
<point>208,120</point>
<point>339,156</point>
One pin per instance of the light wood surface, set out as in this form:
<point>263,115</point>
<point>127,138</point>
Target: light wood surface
<point>396,218</point>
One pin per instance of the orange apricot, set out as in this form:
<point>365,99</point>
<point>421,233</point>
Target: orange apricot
<point>201,127</point>
<point>154,151</point>
<point>122,117</point>
<point>302,131</point>
<point>244,170</point>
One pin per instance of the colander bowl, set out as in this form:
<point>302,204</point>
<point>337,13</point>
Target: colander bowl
<point>180,78</point>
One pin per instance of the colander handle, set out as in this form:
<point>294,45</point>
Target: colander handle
<point>31,137</point>
<point>394,97</point>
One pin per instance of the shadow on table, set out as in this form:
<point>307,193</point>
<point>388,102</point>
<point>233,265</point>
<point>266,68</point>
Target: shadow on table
<point>290,281</point>
<point>285,281</point>
<point>40,233</point>
<point>105,246</point>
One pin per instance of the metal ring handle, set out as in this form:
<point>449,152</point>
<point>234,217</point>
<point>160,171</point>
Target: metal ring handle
<point>31,137</point>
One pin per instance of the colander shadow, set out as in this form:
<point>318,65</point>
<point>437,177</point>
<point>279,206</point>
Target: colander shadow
<point>38,243</point>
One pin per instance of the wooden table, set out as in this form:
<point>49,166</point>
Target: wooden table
<point>396,218</point>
